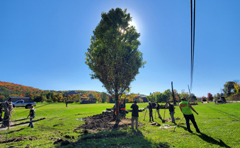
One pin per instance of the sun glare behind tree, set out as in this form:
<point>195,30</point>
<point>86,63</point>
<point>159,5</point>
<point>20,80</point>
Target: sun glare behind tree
<point>113,54</point>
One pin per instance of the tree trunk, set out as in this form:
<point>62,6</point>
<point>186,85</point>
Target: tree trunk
<point>117,107</point>
<point>174,99</point>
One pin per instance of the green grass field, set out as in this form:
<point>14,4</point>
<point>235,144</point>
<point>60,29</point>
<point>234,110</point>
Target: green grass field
<point>219,124</point>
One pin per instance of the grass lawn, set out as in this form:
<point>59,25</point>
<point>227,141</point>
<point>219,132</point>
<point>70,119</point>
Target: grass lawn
<point>219,124</point>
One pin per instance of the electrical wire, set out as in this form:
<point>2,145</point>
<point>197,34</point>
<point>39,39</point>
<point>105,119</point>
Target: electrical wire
<point>192,10</point>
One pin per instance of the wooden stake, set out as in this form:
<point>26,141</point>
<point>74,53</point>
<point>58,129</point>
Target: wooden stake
<point>155,113</point>
<point>178,124</point>
<point>145,115</point>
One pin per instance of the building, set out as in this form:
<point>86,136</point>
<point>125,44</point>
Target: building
<point>14,99</point>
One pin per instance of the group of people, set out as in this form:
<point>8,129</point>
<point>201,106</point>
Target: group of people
<point>184,106</point>
<point>157,106</point>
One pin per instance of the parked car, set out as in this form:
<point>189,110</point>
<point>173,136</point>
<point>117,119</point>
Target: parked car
<point>21,103</point>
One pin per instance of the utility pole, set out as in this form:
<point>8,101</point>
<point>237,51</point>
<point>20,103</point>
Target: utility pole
<point>221,92</point>
<point>189,93</point>
<point>174,100</point>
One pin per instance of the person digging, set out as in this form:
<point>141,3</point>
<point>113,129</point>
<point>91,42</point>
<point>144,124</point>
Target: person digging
<point>157,109</point>
<point>171,111</point>
<point>150,108</point>
<point>186,108</point>
<point>32,115</point>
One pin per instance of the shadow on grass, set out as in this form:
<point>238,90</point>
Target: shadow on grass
<point>15,131</point>
<point>212,140</point>
<point>209,139</point>
<point>185,128</point>
<point>114,138</point>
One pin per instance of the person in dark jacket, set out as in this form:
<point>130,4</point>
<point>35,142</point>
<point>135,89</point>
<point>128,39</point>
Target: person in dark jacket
<point>171,111</point>
<point>135,114</point>
<point>32,115</point>
<point>150,108</point>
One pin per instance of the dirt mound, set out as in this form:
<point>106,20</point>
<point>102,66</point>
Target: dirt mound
<point>154,124</point>
<point>103,121</point>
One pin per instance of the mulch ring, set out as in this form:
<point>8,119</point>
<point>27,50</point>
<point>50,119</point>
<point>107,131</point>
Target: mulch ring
<point>104,121</point>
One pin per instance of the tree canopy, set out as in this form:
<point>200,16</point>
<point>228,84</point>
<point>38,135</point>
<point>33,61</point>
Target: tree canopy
<point>113,54</point>
<point>229,88</point>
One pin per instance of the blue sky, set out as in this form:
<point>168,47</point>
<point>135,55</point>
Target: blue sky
<point>43,43</point>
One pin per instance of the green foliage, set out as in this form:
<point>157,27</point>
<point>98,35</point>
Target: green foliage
<point>161,97</point>
<point>236,88</point>
<point>103,96</point>
<point>184,94</point>
<point>113,54</point>
<point>49,100</point>
<point>38,99</point>
<point>151,98</point>
<point>228,88</point>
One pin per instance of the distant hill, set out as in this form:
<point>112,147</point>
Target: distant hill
<point>10,89</point>
<point>16,90</point>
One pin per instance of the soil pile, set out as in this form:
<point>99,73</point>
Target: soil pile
<point>103,121</point>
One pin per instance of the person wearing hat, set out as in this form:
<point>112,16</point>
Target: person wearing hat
<point>150,107</point>
<point>32,115</point>
<point>186,108</point>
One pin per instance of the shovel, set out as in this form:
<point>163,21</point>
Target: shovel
<point>145,115</point>
<point>177,124</point>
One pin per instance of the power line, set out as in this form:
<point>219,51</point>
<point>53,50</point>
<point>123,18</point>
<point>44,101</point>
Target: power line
<point>192,10</point>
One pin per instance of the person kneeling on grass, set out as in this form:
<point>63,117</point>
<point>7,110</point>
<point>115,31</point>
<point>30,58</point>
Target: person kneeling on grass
<point>186,108</point>
<point>135,114</point>
<point>32,115</point>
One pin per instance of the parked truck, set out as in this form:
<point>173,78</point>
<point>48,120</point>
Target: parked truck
<point>21,103</point>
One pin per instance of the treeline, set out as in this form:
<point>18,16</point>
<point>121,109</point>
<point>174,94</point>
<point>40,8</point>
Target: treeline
<point>231,91</point>
<point>10,89</point>
<point>167,95</point>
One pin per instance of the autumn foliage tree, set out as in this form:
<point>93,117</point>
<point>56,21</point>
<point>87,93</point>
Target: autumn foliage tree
<point>209,97</point>
<point>113,54</point>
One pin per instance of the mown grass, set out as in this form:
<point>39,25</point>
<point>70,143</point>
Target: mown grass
<point>218,123</point>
